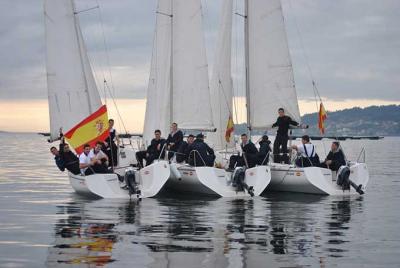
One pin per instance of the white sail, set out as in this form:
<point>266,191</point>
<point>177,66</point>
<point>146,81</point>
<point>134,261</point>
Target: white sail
<point>72,90</point>
<point>158,92</point>
<point>271,82</point>
<point>190,92</point>
<point>221,81</point>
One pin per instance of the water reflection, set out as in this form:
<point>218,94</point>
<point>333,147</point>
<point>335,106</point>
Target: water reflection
<point>202,233</point>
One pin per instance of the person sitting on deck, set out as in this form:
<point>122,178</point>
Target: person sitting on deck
<point>90,163</point>
<point>153,150</point>
<point>71,161</point>
<point>174,140</point>
<point>183,152</point>
<point>100,158</point>
<point>249,154</point>
<point>335,158</point>
<point>308,157</point>
<point>265,149</point>
<point>200,153</point>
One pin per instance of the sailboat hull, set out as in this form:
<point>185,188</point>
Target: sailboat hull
<point>212,181</point>
<point>315,180</point>
<point>150,180</point>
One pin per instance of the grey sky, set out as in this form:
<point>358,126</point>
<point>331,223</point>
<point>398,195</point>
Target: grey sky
<point>353,46</point>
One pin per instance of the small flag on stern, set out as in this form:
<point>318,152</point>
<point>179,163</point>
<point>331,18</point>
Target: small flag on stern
<point>321,118</point>
<point>90,130</point>
<point>229,129</point>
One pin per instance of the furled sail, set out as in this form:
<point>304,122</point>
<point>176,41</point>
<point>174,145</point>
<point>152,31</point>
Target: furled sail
<point>190,92</point>
<point>271,81</point>
<point>72,90</point>
<point>221,81</point>
<point>158,92</point>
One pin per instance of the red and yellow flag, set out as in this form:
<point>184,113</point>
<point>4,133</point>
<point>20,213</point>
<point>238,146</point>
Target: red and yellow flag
<point>90,130</point>
<point>321,118</point>
<point>229,129</point>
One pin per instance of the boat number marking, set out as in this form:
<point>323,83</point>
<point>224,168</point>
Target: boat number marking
<point>298,173</point>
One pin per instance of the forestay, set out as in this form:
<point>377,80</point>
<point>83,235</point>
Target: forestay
<point>158,92</point>
<point>271,82</point>
<point>221,81</point>
<point>190,93</point>
<point>72,90</point>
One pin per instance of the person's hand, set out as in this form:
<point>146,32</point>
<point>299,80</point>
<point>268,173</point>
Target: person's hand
<point>158,147</point>
<point>328,162</point>
<point>147,154</point>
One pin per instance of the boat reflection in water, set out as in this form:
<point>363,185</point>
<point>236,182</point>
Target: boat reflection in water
<point>278,230</point>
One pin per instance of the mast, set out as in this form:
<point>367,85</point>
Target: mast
<point>81,58</point>
<point>247,65</point>
<point>171,93</point>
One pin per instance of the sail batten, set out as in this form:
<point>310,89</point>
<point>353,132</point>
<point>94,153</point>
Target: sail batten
<point>271,80</point>
<point>72,91</point>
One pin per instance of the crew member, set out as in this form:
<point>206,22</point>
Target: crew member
<point>308,156</point>
<point>249,154</point>
<point>200,153</point>
<point>265,149</point>
<point>57,158</point>
<point>283,123</point>
<point>184,150</point>
<point>153,150</point>
<point>335,158</point>
<point>111,148</point>
<point>71,161</point>
<point>174,140</point>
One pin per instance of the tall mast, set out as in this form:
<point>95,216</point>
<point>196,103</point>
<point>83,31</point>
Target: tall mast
<point>171,95</point>
<point>77,31</point>
<point>246,52</point>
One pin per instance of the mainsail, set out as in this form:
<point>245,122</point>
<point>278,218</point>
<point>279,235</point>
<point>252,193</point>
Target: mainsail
<point>72,90</point>
<point>185,98</point>
<point>221,81</point>
<point>158,92</point>
<point>270,73</point>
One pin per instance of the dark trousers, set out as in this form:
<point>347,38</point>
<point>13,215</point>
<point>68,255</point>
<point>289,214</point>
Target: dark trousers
<point>142,155</point>
<point>236,161</point>
<point>280,146</point>
<point>112,153</point>
<point>97,169</point>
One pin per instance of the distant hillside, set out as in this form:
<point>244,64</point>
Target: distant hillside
<point>369,121</point>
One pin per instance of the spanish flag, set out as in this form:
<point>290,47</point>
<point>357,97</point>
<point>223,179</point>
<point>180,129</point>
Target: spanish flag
<point>92,129</point>
<point>321,118</point>
<point>229,129</point>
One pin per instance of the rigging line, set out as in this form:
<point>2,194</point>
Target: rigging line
<point>236,88</point>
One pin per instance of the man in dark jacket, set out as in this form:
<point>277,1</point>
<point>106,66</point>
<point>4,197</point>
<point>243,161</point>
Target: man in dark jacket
<point>265,149</point>
<point>174,140</point>
<point>335,158</point>
<point>57,158</point>
<point>283,123</point>
<point>71,161</point>
<point>153,150</point>
<point>200,153</point>
<point>184,150</point>
<point>249,154</point>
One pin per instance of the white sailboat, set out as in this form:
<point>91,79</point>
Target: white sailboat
<point>73,96</point>
<point>269,73</point>
<point>178,92</point>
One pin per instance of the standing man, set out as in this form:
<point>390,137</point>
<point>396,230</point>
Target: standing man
<point>111,149</point>
<point>174,140</point>
<point>280,144</point>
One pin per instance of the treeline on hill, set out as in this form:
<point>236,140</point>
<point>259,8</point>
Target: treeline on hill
<point>369,121</point>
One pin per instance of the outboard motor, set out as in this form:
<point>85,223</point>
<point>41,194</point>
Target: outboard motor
<point>343,179</point>
<point>238,177</point>
<point>130,180</point>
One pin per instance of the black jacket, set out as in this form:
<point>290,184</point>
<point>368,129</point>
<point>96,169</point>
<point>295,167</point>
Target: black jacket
<point>152,148</point>
<point>249,148</point>
<point>264,147</point>
<point>283,123</point>
<point>337,159</point>
<point>177,140</point>
<point>183,152</point>
<point>202,148</point>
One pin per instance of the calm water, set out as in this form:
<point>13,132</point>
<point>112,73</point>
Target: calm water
<point>43,223</point>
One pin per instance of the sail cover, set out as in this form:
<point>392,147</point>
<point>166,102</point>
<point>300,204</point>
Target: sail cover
<point>221,81</point>
<point>190,93</point>
<point>158,92</point>
<point>72,90</point>
<point>271,79</point>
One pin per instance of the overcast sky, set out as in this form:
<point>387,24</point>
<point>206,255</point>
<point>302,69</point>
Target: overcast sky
<point>353,46</point>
